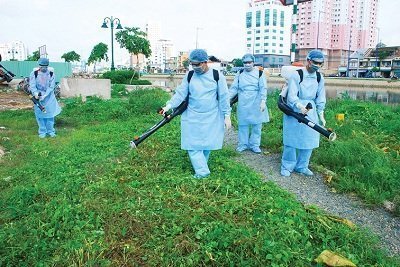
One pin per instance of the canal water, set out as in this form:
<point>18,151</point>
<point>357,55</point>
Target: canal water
<point>378,95</point>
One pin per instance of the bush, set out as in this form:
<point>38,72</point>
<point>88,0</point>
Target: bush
<point>120,76</point>
<point>141,82</point>
<point>118,90</point>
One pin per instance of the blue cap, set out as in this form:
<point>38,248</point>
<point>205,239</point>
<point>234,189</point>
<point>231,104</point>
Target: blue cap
<point>198,55</point>
<point>316,55</point>
<point>43,61</point>
<point>248,58</point>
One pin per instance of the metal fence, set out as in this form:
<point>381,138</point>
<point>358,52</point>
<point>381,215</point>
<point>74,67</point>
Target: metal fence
<point>24,68</point>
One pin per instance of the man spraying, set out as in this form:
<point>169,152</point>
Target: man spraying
<point>299,140</point>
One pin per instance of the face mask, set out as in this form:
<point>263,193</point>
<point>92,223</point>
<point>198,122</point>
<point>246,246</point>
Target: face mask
<point>314,68</point>
<point>248,67</point>
<point>43,69</point>
<point>198,70</point>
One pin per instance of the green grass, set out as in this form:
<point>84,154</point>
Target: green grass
<point>86,199</point>
<point>366,154</point>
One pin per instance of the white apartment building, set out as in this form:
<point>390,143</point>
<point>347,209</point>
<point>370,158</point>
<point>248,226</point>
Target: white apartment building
<point>161,49</point>
<point>13,51</point>
<point>268,25</point>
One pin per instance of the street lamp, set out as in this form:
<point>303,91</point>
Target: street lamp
<point>119,27</point>
<point>13,51</point>
<point>254,39</point>
<point>197,36</point>
<point>376,53</point>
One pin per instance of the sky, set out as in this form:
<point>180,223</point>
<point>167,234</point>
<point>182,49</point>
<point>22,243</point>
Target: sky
<point>75,25</point>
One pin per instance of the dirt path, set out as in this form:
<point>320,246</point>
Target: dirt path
<point>313,190</point>
<point>13,100</point>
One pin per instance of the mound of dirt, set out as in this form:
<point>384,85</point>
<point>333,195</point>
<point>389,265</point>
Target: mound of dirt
<point>14,100</point>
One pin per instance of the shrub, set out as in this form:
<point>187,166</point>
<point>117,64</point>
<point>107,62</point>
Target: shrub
<point>120,76</point>
<point>141,82</point>
<point>118,90</point>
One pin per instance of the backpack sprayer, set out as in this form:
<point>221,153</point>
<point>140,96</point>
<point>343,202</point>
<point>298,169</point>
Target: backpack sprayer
<point>328,133</point>
<point>167,118</point>
<point>24,85</point>
<point>37,103</point>
<point>286,109</point>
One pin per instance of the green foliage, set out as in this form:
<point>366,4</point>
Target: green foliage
<point>141,82</point>
<point>237,62</point>
<point>365,156</point>
<point>134,40</point>
<point>375,69</point>
<point>120,76</point>
<point>34,57</point>
<point>86,199</point>
<point>118,90</point>
<point>71,56</point>
<point>185,63</point>
<point>99,52</point>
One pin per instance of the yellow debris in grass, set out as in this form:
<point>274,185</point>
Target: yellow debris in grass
<point>332,259</point>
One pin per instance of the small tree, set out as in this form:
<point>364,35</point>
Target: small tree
<point>71,56</point>
<point>134,40</point>
<point>34,57</point>
<point>99,52</point>
<point>185,63</point>
<point>237,62</point>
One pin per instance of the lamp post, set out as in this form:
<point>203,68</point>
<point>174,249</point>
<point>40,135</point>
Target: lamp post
<point>197,36</point>
<point>119,27</point>
<point>254,39</point>
<point>13,51</point>
<point>348,57</point>
<point>376,53</point>
<point>319,18</point>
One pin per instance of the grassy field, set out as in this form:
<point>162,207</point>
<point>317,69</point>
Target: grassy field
<point>366,156</point>
<point>85,199</point>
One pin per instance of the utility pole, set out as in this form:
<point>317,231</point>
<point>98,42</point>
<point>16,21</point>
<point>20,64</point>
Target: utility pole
<point>197,37</point>
<point>348,57</point>
<point>294,30</point>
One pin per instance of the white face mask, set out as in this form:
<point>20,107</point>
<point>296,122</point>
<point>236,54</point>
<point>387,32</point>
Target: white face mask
<point>248,66</point>
<point>43,68</point>
<point>198,70</point>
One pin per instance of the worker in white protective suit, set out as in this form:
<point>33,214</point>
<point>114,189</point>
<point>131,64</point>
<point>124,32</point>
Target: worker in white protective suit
<point>250,85</point>
<point>299,140</point>
<point>208,113</point>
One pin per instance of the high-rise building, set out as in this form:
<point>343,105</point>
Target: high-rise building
<point>268,25</point>
<point>13,51</point>
<point>338,27</point>
<point>161,49</point>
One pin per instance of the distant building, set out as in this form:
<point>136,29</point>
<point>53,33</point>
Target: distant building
<point>338,27</point>
<point>161,49</point>
<point>13,51</point>
<point>375,62</point>
<point>268,25</point>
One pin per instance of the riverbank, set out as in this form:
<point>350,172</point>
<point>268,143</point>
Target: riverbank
<point>172,81</point>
